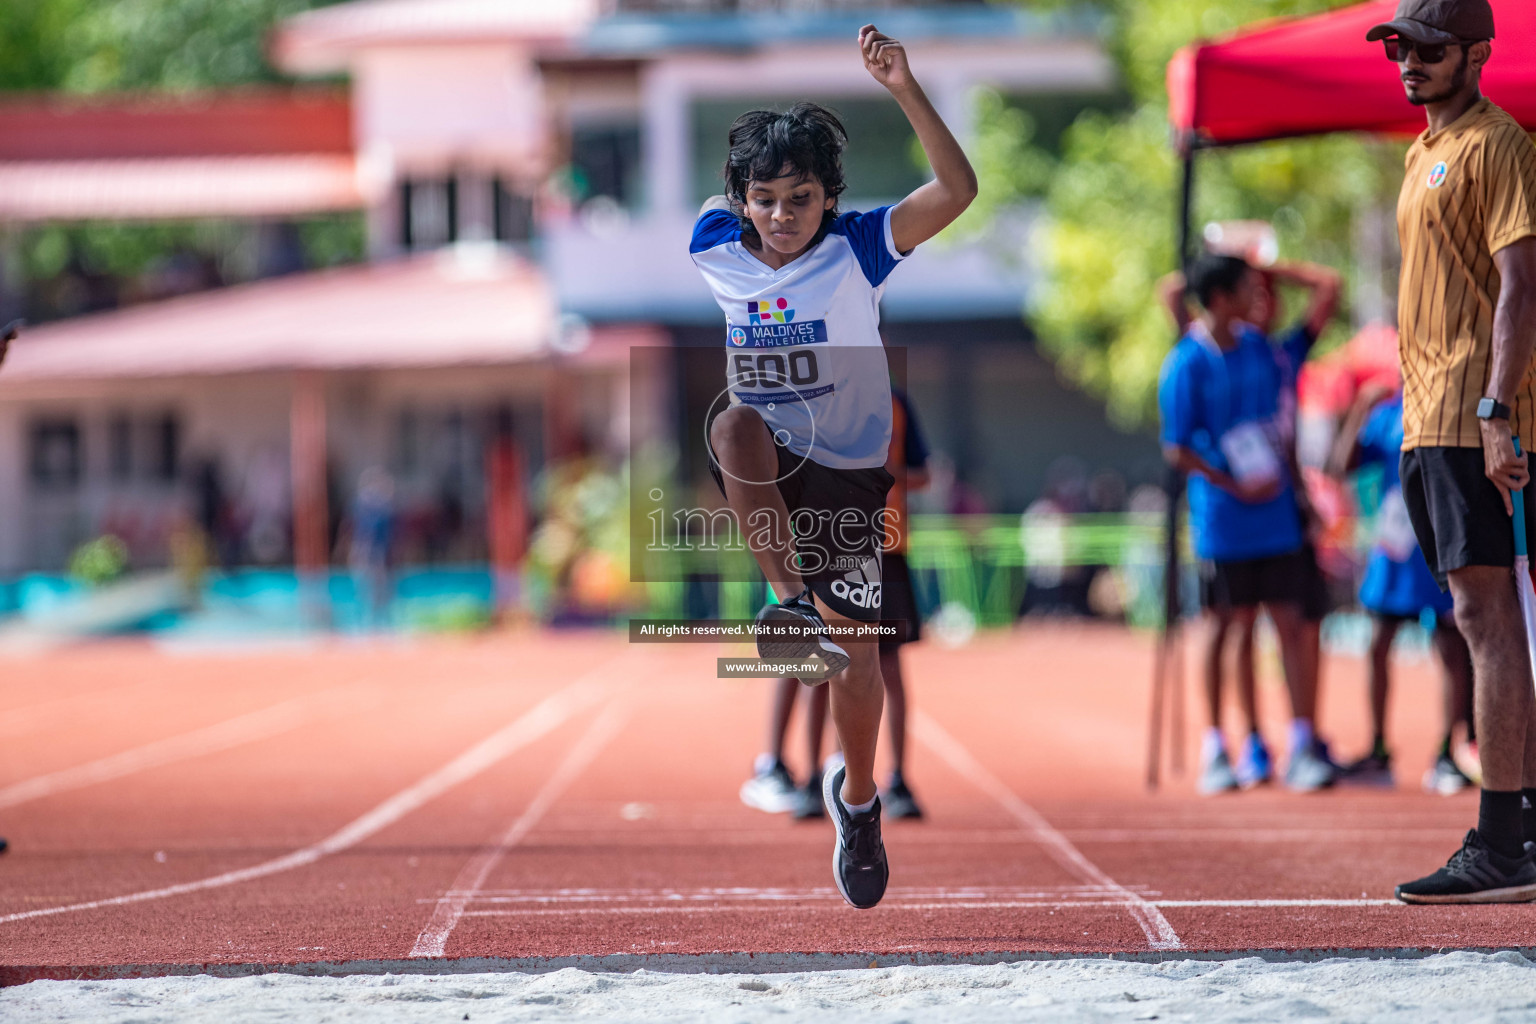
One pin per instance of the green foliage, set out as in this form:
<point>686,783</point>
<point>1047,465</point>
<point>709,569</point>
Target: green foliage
<point>1110,199</point>
<point>87,46</point>
<point>100,561</point>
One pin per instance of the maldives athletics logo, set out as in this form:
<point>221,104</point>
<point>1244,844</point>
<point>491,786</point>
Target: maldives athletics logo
<point>1437,175</point>
<point>770,311</point>
<point>738,337</point>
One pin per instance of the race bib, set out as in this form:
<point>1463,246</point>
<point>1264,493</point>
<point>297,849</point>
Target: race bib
<point>1250,456</point>
<point>1394,530</point>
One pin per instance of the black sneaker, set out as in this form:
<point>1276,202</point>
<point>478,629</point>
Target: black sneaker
<point>858,859</point>
<point>1371,770</point>
<point>898,800</point>
<point>800,612</point>
<point>808,806</point>
<point>1476,874</point>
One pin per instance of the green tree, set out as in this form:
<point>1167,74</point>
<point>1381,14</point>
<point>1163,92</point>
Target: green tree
<point>86,46</point>
<point>1110,200</point>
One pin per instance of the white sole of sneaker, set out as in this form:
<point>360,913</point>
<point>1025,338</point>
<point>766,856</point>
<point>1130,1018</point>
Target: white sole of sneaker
<point>770,803</point>
<point>1513,894</point>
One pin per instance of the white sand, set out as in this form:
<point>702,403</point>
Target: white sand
<point>1444,988</point>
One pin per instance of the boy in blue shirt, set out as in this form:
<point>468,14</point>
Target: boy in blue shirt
<point>1223,424</point>
<point>800,449</point>
<point>1397,588</point>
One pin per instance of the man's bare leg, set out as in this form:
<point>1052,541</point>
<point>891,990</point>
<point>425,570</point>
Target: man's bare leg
<point>1488,614</point>
<point>1456,675</point>
<point>750,463</point>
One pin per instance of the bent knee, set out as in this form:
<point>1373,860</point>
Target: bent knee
<point>736,428</point>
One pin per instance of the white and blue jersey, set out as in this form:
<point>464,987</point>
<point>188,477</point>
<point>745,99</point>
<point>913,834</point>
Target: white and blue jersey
<point>803,342</point>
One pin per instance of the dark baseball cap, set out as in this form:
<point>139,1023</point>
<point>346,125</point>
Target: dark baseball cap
<point>1438,21</point>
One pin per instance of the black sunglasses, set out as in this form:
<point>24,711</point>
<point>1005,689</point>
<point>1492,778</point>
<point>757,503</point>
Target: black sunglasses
<point>1399,48</point>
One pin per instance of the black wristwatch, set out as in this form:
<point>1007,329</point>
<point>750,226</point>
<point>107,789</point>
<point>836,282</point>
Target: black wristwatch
<point>1491,409</point>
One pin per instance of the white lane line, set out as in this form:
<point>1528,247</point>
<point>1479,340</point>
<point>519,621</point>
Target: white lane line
<point>528,727</point>
<point>233,732</point>
<point>433,939</point>
<point>1160,934</point>
<point>835,906</point>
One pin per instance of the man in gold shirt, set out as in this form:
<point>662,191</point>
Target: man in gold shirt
<point>1467,322</point>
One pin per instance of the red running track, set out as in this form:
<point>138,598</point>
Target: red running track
<point>539,799</point>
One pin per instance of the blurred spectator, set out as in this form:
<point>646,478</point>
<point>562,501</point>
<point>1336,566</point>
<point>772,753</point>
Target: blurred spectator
<point>368,535</point>
<point>506,516</point>
<point>1398,587</point>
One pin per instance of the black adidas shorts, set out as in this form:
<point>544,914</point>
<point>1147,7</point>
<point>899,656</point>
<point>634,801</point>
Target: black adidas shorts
<point>838,532</point>
<point>1457,513</point>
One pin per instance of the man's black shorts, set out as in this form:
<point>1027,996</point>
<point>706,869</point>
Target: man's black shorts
<point>899,602</point>
<point>1278,579</point>
<point>1458,515</point>
<point>838,531</point>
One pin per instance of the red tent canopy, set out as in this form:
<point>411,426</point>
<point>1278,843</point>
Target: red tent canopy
<point>1306,76</point>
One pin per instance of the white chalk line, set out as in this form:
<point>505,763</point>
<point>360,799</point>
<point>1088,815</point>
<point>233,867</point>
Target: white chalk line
<point>835,905</point>
<point>233,732</point>
<point>536,896</point>
<point>433,939</point>
<point>1160,934</point>
<point>525,729</point>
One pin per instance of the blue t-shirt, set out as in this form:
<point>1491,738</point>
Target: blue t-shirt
<point>1203,394</point>
<point>1397,579</point>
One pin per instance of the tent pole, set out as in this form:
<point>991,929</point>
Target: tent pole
<point>1174,490</point>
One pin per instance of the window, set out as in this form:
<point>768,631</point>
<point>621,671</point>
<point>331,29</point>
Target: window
<point>512,214</point>
<point>605,161</point>
<point>120,448</point>
<point>164,436</point>
<point>53,454</point>
<point>428,213</point>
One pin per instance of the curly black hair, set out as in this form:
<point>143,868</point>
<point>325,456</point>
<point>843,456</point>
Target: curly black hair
<point>807,140</point>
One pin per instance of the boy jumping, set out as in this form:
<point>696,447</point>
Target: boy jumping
<point>800,450</point>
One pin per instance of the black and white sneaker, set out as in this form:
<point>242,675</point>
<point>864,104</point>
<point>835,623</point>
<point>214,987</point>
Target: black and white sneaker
<point>1476,874</point>
<point>858,859</point>
<point>810,636</point>
<point>808,805</point>
<point>899,801</point>
<point>771,788</point>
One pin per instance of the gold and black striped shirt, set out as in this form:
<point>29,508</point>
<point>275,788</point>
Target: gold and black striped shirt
<point>1470,190</point>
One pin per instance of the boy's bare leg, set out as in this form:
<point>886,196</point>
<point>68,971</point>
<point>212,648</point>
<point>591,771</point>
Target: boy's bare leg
<point>1215,646</point>
<point>1381,668</point>
<point>750,463</point>
<point>784,693</point>
<point>1244,620</point>
<point>815,725</point>
<point>895,705</point>
<point>1286,615</point>
<point>857,698</point>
